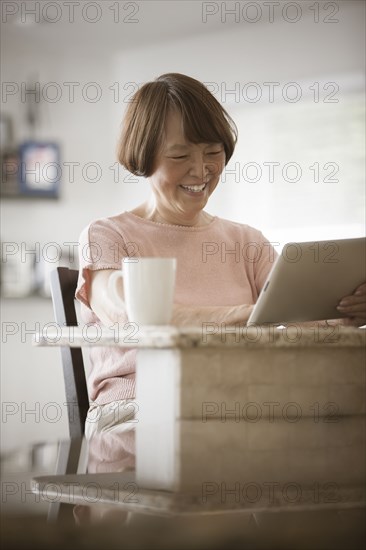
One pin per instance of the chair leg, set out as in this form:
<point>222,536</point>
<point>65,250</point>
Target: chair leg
<point>68,460</point>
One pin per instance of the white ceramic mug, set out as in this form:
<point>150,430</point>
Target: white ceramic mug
<point>148,285</point>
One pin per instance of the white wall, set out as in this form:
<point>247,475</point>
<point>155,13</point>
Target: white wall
<point>168,37</point>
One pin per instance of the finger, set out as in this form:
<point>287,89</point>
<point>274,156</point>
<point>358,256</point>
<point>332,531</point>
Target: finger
<point>360,289</point>
<point>350,300</point>
<point>353,303</point>
<point>355,309</point>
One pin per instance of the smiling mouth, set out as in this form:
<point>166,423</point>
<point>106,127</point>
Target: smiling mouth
<point>194,188</point>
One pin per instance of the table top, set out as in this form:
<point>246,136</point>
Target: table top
<point>208,335</point>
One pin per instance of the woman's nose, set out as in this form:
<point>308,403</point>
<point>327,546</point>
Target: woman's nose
<point>201,167</point>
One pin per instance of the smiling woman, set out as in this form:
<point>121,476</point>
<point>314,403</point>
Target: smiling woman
<point>178,136</point>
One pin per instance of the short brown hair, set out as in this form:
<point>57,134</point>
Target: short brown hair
<point>204,120</point>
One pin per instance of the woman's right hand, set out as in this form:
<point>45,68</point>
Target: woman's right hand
<point>101,301</point>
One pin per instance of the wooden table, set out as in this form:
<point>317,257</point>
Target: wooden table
<point>255,419</point>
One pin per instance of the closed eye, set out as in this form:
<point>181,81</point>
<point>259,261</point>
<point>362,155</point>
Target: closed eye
<point>181,157</point>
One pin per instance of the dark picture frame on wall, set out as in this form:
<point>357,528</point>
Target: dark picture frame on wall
<point>39,169</point>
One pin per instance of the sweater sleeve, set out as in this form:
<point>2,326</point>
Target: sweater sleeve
<point>101,246</point>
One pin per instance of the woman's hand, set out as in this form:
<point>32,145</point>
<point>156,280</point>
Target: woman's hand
<point>354,307</point>
<point>101,301</point>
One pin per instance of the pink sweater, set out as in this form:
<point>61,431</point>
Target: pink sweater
<point>220,264</point>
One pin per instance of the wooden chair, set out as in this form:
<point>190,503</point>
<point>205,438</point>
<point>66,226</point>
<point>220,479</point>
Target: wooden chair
<point>63,283</point>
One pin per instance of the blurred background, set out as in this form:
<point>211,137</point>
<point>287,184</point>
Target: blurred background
<point>291,75</point>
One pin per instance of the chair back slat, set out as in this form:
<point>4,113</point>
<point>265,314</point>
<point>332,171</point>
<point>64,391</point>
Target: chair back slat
<point>63,286</point>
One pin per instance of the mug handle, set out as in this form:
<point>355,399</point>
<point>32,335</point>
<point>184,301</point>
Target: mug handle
<point>112,288</point>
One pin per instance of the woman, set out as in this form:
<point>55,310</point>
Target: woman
<point>177,135</point>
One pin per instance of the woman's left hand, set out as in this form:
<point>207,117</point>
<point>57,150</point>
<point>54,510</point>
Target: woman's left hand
<point>354,307</point>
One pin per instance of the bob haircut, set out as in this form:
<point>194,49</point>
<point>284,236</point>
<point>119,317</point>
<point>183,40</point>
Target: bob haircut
<point>204,120</point>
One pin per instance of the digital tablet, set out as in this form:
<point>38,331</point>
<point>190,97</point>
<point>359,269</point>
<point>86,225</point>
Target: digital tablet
<point>308,280</point>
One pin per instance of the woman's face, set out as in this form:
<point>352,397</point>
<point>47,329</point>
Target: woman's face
<point>185,174</point>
